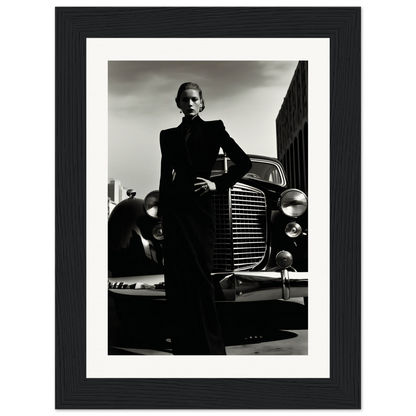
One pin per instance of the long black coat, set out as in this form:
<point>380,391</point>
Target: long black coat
<point>189,229</point>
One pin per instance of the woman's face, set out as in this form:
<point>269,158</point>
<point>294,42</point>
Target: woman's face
<point>190,103</point>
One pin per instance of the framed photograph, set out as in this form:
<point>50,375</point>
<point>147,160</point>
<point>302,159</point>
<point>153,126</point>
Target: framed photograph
<point>97,51</point>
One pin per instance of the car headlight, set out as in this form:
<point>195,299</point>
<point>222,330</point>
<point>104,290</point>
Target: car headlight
<point>284,259</point>
<point>151,203</point>
<point>157,232</point>
<point>293,230</point>
<point>293,202</point>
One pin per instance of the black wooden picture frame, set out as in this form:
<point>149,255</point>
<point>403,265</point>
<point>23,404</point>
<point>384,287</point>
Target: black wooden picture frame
<point>342,390</point>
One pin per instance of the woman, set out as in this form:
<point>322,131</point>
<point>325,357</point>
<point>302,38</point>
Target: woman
<point>189,152</point>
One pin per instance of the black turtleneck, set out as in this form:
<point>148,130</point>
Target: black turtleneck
<point>187,124</point>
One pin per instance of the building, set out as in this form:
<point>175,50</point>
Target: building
<point>116,194</point>
<point>292,129</point>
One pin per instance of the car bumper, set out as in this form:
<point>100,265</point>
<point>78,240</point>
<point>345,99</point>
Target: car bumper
<point>236,286</point>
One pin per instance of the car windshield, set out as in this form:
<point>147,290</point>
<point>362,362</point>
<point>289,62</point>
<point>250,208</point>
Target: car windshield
<point>264,171</point>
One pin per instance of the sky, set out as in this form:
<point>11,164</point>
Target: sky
<point>245,95</point>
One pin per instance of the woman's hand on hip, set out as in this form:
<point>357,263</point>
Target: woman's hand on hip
<point>205,186</point>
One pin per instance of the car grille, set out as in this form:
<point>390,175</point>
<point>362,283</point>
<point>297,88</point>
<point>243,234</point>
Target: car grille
<point>241,241</point>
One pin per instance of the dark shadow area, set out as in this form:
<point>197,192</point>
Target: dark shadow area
<point>145,325</point>
<point>248,323</point>
<point>133,325</point>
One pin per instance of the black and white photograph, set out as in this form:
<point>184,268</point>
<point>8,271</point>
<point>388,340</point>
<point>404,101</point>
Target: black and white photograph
<point>208,207</point>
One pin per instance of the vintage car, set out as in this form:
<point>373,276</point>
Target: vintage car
<point>261,244</point>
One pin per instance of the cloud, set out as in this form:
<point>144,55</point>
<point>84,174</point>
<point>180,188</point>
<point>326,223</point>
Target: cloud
<point>221,77</point>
